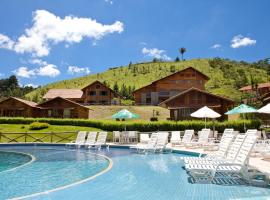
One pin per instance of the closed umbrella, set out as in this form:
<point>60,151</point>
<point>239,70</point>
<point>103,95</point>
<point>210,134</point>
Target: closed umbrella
<point>242,109</point>
<point>205,112</point>
<point>264,109</point>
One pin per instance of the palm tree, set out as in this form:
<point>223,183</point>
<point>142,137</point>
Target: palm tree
<point>182,50</point>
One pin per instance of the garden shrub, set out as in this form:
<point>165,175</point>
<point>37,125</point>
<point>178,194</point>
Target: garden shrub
<point>38,126</point>
<point>142,126</point>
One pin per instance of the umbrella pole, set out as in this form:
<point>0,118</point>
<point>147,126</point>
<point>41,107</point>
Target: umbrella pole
<point>205,122</point>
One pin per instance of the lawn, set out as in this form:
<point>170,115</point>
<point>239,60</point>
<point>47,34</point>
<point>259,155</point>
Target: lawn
<point>145,112</point>
<point>52,134</point>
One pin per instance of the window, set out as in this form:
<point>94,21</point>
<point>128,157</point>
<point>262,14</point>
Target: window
<point>103,93</point>
<point>97,86</point>
<point>92,102</point>
<point>49,113</point>
<point>92,93</point>
<point>67,113</point>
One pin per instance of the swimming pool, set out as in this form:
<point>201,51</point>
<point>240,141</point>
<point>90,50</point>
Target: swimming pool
<point>122,174</point>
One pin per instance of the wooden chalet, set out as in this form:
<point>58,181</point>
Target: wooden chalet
<point>167,87</point>
<point>16,107</point>
<point>98,93</point>
<point>188,101</point>
<point>95,93</point>
<point>63,108</point>
<point>261,88</point>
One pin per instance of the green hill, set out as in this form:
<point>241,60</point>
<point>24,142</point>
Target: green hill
<point>226,76</point>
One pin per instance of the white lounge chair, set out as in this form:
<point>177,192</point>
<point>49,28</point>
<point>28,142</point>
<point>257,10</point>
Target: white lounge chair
<point>91,139</point>
<point>162,140</point>
<point>144,138</point>
<point>175,138</point>
<point>142,148</point>
<point>79,140</point>
<point>203,139</point>
<point>187,138</point>
<point>101,140</point>
<point>116,136</point>
<point>225,142</point>
<point>238,166</point>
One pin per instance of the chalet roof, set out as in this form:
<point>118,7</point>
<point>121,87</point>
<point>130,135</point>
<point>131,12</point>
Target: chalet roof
<point>198,90</point>
<point>64,93</point>
<point>29,103</point>
<point>103,85</point>
<point>197,71</point>
<point>61,98</point>
<point>260,85</point>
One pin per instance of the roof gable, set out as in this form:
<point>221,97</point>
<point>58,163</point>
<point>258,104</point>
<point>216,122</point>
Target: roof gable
<point>179,72</point>
<point>260,85</point>
<point>198,90</point>
<point>63,99</point>
<point>28,103</point>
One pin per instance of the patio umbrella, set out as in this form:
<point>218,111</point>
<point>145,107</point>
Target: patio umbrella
<point>242,109</point>
<point>264,109</point>
<point>205,112</point>
<point>125,114</point>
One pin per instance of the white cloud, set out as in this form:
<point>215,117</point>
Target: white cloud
<point>78,70</point>
<point>109,2</point>
<point>24,72</point>
<point>49,70</point>
<point>155,53</point>
<point>6,42</point>
<point>241,41</point>
<point>38,61</point>
<point>49,29</point>
<point>1,74</point>
<point>216,46</point>
<point>31,85</point>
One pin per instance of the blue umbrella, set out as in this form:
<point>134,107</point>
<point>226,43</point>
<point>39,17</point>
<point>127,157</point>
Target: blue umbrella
<point>242,109</point>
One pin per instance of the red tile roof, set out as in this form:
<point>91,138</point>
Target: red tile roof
<point>261,85</point>
<point>29,103</point>
<point>64,93</point>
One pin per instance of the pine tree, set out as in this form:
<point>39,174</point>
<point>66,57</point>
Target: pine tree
<point>115,87</point>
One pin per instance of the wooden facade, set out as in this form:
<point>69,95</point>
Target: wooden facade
<point>187,102</point>
<point>16,107</point>
<point>63,108</point>
<point>162,89</point>
<point>94,94</point>
<point>99,94</point>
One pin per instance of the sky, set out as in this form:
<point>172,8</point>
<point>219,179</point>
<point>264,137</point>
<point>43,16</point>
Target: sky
<point>47,41</point>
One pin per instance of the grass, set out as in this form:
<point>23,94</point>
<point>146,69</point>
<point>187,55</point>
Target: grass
<point>12,129</point>
<point>145,112</point>
<point>224,75</point>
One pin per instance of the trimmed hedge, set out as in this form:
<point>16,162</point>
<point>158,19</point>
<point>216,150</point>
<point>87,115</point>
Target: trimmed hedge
<point>142,126</point>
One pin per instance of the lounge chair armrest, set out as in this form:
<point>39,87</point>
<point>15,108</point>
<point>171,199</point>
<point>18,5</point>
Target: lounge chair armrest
<point>194,140</point>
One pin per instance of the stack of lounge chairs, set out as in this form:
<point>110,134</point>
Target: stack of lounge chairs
<point>231,159</point>
<point>89,140</point>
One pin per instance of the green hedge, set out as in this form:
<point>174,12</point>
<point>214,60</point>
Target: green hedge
<point>38,126</point>
<point>142,126</point>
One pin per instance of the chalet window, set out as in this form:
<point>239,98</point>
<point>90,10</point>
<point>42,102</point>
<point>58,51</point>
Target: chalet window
<point>92,93</point>
<point>49,113</point>
<point>103,93</point>
<point>97,86</point>
<point>67,113</point>
<point>164,93</point>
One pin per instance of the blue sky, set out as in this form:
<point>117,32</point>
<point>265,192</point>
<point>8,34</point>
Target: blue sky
<point>45,41</point>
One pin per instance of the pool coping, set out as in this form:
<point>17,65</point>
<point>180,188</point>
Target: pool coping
<point>33,158</point>
<point>72,184</point>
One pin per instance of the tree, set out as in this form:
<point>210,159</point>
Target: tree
<point>177,59</point>
<point>115,87</point>
<point>182,50</point>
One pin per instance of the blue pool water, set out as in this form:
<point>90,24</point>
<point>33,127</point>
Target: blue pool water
<point>132,176</point>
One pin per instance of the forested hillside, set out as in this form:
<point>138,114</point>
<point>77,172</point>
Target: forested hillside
<point>226,76</point>
<point>10,87</point>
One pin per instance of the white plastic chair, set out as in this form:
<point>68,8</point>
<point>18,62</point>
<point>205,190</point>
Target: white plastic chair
<point>79,140</point>
<point>175,138</point>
